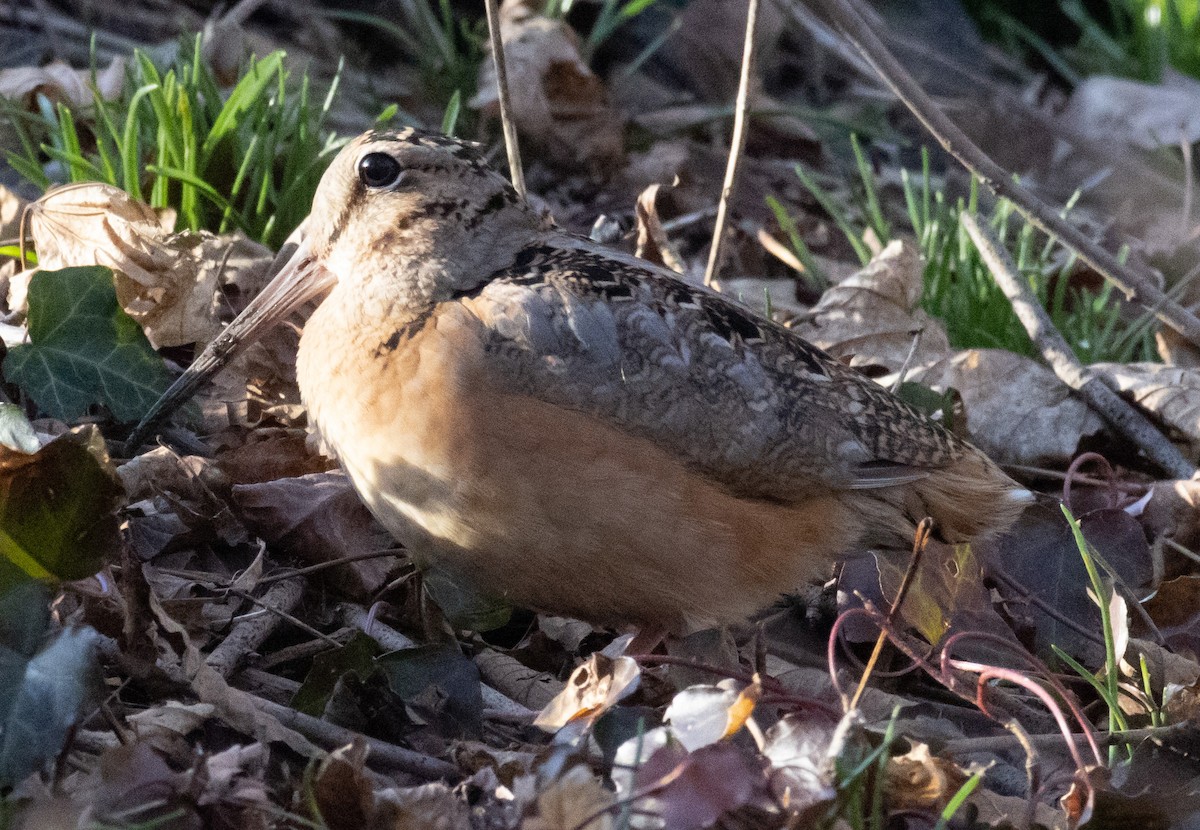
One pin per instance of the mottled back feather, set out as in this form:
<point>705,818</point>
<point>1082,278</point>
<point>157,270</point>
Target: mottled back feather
<point>742,399</point>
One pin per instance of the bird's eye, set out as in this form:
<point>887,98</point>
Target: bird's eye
<point>379,170</point>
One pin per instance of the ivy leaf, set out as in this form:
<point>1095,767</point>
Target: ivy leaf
<point>57,509</point>
<point>47,682</point>
<point>84,349</point>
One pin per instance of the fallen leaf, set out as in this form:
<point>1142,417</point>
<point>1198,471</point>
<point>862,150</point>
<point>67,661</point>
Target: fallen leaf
<point>166,281</point>
<point>917,780</point>
<point>594,688</point>
<point>16,433</point>
<point>574,799</point>
<point>47,683</point>
<point>704,714</point>
<point>60,83</point>
<point>691,790</point>
<point>84,349</point>
<point>57,509</point>
<point>428,807</point>
<point>1017,411</point>
<point>1169,393</point>
<point>318,518</point>
<point>872,318</point>
<point>1174,511</point>
<point>440,683</point>
<point>12,207</point>
<point>946,595</point>
<point>1038,558</point>
<point>802,771</point>
<point>356,657</point>
<point>558,103</point>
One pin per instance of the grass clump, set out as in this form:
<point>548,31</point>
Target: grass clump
<point>1134,38</point>
<point>959,289</point>
<point>446,47</point>
<point>248,160</point>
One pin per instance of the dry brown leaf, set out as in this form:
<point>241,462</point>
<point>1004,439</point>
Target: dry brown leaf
<point>1174,511</point>
<point>271,454</point>
<point>59,82</point>
<point>559,104</point>
<point>652,241</point>
<point>318,518</point>
<point>182,304</point>
<point>11,208</point>
<point>167,282</point>
<point>1148,116</point>
<point>1169,393</point>
<point>576,799</point>
<point>594,688</point>
<point>1018,412</point>
<point>428,807</point>
<point>872,317</point>
<point>232,778</point>
<point>918,781</point>
<point>342,787</point>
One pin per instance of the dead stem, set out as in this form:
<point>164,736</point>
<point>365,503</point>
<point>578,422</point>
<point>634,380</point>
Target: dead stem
<point>1119,414</point>
<point>506,115</point>
<point>737,146</point>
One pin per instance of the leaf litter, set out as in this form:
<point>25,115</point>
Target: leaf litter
<point>250,617</point>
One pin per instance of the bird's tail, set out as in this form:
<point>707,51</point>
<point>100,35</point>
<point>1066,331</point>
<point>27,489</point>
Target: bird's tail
<point>968,499</point>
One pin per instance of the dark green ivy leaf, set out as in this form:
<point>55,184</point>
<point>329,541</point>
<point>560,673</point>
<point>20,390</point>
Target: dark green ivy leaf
<point>84,349</point>
<point>57,509</point>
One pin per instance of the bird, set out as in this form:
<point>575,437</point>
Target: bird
<point>574,430</point>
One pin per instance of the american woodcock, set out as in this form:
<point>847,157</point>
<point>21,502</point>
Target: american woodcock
<point>574,429</point>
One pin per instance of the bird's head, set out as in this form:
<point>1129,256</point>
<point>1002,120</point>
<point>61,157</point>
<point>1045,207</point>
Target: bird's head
<point>402,219</point>
<point>411,216</point>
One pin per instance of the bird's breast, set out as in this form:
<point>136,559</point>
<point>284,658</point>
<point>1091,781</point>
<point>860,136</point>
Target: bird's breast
<point>544,505</point>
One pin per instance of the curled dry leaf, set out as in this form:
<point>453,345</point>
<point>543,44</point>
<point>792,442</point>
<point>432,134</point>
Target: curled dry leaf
<point>702,715</point>
<point>165,281</point>
<point>802,769</point>
<point>918,781</point>
<point>652,241</point>
<point>558,103</point>
<point>594,688</point>
<point>60,83</point>
<point>318,518</point>
<point>873,317</point>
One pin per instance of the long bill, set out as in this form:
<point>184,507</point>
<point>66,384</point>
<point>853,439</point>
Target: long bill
<point>300,279</point>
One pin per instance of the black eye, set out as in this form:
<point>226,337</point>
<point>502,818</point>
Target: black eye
<point>379,170</point>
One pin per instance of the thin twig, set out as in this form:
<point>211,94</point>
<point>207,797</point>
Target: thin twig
<point>1114,409</point>
<point>737,146</point>
<point>251,632</point>
<point>1054,740</point>
<point>920,541</point>
<point>1136,287</point>
<point>382,754</point>
<point>506,114</point>
<point>908,361</point>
